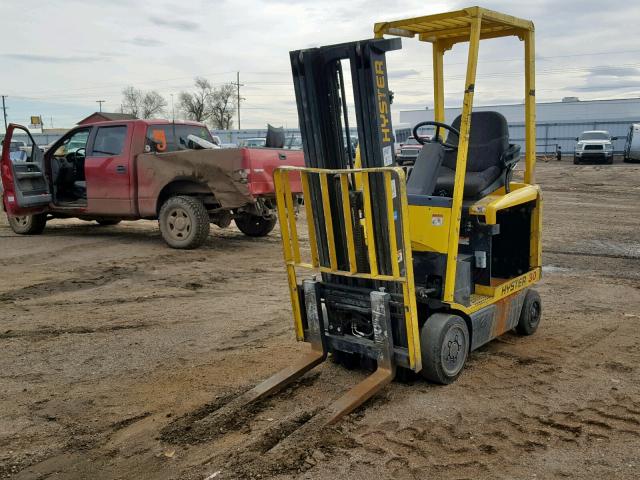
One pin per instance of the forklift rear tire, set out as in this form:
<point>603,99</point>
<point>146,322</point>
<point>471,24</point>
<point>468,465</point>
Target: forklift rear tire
<point>254,225</point>
<point>530,314</point>
<point>184,222</point>
<point>444,341</point>
<point>28,224</point>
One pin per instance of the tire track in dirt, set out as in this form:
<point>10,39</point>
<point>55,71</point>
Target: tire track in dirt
<point>56,332</point>
<point>459,449</point>
<point>90,279</point>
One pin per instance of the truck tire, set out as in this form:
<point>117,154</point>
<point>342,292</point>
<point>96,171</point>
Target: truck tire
<point>444,341</point>
<point>575,160</point>
<point>28,224</point>
<point>184,222</point>
<point>530,314</point>
<point>105,222</point>
<point>255,226</point>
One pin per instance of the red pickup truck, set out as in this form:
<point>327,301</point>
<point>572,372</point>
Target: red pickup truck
<point>143,169</point>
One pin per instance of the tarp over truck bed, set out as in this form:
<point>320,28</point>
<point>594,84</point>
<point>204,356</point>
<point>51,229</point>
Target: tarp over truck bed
<point>222,170</point>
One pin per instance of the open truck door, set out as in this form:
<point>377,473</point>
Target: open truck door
<point>25,187</point>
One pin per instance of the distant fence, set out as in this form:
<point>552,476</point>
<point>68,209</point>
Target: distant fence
<point>548,134</point>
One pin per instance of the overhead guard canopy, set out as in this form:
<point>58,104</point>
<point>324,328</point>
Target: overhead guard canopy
<point>455,27</point>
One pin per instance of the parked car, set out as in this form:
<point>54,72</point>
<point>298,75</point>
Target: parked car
<point>632,145</point>
<point>409,151</point>
<point>594,145</point>
<point>253,142</point>
<point>144,169</point>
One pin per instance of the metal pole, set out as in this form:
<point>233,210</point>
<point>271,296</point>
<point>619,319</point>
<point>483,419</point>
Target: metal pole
<point>4,112</point>
<point>238,85</point>
<point>100,102</point>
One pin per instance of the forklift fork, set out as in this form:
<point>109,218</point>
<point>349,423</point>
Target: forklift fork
<point>315,334</point>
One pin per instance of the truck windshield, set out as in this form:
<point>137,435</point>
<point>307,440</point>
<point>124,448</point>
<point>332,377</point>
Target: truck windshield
<point>173,137</point>
<point>594,136</point>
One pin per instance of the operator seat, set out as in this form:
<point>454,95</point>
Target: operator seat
<point>488,160</point>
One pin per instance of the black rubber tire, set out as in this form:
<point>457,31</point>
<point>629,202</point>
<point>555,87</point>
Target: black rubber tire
<point>576,161</point>
<point>28,224</point>
<point>530,314</point>
<point>192,230</point>
<point>107,222</point>
<point>440,332</point>
<point>609,161</point>
<point>255,226</point>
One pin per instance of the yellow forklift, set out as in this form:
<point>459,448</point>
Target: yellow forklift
<point>410,274</point>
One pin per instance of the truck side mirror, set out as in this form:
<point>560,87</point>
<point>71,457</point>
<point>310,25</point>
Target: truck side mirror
<point>577,139</point>
<point>614,138</point>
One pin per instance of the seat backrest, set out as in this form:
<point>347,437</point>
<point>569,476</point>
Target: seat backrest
<point>488,140</point>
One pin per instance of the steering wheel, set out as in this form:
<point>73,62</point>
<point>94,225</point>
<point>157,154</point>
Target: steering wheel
<point>436,138</point>
<point>73,156</point>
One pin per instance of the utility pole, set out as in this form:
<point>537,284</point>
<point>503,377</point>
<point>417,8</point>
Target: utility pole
<point>4,112</point>
<point>173,111</point>
<point>101,102</point>
<point>238,85</point>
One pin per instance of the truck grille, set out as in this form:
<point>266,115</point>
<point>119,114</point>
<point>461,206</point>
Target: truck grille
<point>409,152</point>
<point>594,147</point>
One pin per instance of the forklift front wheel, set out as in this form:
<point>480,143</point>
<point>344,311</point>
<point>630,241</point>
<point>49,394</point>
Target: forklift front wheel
<point>444,340</point>
<point>530,314</point>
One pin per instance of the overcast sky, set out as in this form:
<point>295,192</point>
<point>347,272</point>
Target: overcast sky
<point>58,57</point>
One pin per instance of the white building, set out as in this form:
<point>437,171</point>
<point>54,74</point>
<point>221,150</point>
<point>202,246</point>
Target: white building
<point>558,123</point>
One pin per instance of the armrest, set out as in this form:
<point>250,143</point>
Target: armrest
<point>511,156</point>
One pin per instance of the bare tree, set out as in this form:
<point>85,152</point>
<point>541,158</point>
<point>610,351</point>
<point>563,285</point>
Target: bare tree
<point>152,104</point>
<point>142,104</point>
<point>223,104</point>
<point>131,100</point>
<point>197,105</point>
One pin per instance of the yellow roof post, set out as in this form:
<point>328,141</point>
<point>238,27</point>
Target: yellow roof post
<point>461,162</point>
<point>530,107</point>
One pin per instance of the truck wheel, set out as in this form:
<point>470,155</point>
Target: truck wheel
<point>107,223</point>
<point>184,222</point>
<point>255,226</point>
<point>530,314</point>
<point>575,160</point>
<point>28,224</point>
<point>444,341</point>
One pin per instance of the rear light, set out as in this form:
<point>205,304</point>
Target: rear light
<point>243,174</point>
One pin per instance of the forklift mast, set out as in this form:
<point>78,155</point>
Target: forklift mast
<point>326,134</point>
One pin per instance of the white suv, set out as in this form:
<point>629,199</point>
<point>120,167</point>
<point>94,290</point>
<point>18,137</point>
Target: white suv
<point>594,145</point>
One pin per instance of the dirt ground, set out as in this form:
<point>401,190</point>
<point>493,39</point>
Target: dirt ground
<point>115,349</point>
